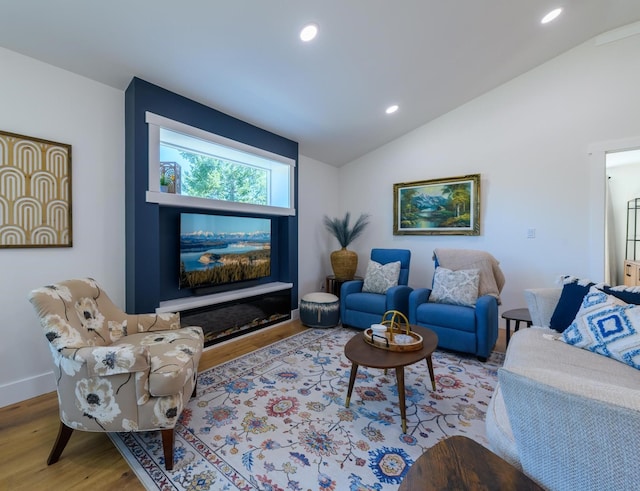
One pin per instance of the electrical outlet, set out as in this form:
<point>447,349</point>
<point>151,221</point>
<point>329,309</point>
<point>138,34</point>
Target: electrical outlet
<point>531,233</point>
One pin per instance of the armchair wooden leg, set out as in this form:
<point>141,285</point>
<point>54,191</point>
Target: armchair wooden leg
<point>64,433</point>
<point>167,446</point>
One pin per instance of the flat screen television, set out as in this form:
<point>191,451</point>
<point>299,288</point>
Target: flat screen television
<point>217,250</point>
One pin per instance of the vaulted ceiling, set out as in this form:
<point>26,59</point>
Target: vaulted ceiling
<point>245,57</point>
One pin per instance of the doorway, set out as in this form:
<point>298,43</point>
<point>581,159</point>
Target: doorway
<point>623,184</point>
<point>603,267</point>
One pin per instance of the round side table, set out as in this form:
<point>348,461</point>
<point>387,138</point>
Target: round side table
<point>517,315</point>
<point>333,284</point>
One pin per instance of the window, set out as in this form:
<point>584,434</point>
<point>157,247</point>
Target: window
<point>205,170</point>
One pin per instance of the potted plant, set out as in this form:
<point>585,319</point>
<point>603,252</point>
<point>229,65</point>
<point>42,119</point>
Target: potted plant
<point>164,183</point>
<point>344,262</point>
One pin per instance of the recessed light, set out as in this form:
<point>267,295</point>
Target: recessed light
<point>392,109</point>
<point>551,15</point>
<point>309,32</point>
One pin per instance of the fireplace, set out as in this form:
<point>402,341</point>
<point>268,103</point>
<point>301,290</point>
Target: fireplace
<point>227,320</point>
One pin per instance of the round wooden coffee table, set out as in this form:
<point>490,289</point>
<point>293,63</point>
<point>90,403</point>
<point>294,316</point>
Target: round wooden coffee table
<point>359,352</point>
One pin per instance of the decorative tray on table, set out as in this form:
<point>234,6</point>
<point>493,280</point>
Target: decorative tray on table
<point>397,337</point>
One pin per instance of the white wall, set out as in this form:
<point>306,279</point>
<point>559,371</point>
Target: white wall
<point>42,101</point>
<point>317,196</point>
<point>529,140</point>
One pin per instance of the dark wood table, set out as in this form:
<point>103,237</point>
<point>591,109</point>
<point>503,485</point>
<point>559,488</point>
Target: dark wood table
<point>463,464</point>
<point>333,284</point>
<point>359,352</point>
<point>517,315</point>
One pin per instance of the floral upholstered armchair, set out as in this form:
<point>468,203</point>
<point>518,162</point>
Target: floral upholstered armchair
<point>114,371</point>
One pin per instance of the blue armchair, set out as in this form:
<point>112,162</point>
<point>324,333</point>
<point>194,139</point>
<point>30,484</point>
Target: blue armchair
<point>361,309</point>
<point>459,328</point>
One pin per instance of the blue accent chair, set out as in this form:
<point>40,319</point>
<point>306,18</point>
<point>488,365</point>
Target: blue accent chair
<point>466,329</point>
<point>361,309</point>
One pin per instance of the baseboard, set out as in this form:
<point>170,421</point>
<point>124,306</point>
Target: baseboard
<point>27,388</point>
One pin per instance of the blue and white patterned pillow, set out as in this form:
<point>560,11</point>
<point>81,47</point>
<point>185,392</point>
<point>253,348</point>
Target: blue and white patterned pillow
<point>608,326</point>
<point>455,287</point>
<point>380,277</point>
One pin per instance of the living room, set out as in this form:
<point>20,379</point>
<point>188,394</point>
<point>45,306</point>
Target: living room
<point>536,141</point>
<point>530,139</point>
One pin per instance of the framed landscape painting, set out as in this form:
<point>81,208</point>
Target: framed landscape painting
<point>449,206</point>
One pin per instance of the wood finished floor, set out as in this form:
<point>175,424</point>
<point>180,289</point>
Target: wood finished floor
<point>90,461</point>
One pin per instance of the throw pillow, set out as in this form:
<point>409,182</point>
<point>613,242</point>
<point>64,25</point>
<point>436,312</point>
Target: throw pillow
<point>573,291</point>
<point>629,294</point>
<point>380,277</point>
<point>455,287</point>
<point>607,326</point>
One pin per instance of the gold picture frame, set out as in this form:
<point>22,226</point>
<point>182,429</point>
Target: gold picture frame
<point>449,206</point>
<point>35,192</point>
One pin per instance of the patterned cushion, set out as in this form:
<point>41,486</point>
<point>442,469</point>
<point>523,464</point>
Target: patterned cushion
<point>380,277</point>
<point>455,287</point>
<point>608,326</point>
<point>573,292</point>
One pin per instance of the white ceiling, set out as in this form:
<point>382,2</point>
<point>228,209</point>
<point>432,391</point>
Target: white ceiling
<point>244,57</point>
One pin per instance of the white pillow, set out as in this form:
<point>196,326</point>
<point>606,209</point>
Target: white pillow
<point>608,326</point>
<point>455,287</point>
<point>380,277</point>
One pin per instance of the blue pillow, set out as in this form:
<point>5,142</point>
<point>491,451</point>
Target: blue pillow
<point>628,294</point>
<point>573,292</point>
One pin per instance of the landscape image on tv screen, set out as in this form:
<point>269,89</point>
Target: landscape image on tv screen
<point>215,249</point>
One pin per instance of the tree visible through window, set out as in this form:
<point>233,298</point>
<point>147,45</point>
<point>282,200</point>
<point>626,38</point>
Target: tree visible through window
<point>214,169</point>
<point>214,178</point>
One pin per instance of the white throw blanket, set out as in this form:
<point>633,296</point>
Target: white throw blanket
<point>491,276</point>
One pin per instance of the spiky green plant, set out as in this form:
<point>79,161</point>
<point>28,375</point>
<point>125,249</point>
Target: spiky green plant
<point>340,229</point>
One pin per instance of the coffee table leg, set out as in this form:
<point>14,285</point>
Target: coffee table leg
<point>352,379</point>
<point>403,408</point>
<point>433,377</point>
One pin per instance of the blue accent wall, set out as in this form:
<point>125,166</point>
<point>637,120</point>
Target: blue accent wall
<point>152,231</point>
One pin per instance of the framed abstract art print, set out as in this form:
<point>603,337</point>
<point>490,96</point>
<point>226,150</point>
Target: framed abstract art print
<point>35,192</point>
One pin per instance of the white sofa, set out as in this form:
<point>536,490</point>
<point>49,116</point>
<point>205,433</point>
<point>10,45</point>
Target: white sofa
<point>567,417</point>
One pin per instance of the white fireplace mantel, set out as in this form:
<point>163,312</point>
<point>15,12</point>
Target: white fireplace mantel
<point>187,303</point>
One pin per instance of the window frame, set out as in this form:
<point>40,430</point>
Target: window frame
<point>236,150</point>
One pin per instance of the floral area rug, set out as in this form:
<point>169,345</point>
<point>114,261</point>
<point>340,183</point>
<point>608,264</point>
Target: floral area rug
<point>275,419</point>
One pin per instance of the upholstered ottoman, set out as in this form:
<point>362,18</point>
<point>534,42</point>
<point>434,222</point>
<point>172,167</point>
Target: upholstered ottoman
<point>320,310</point>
